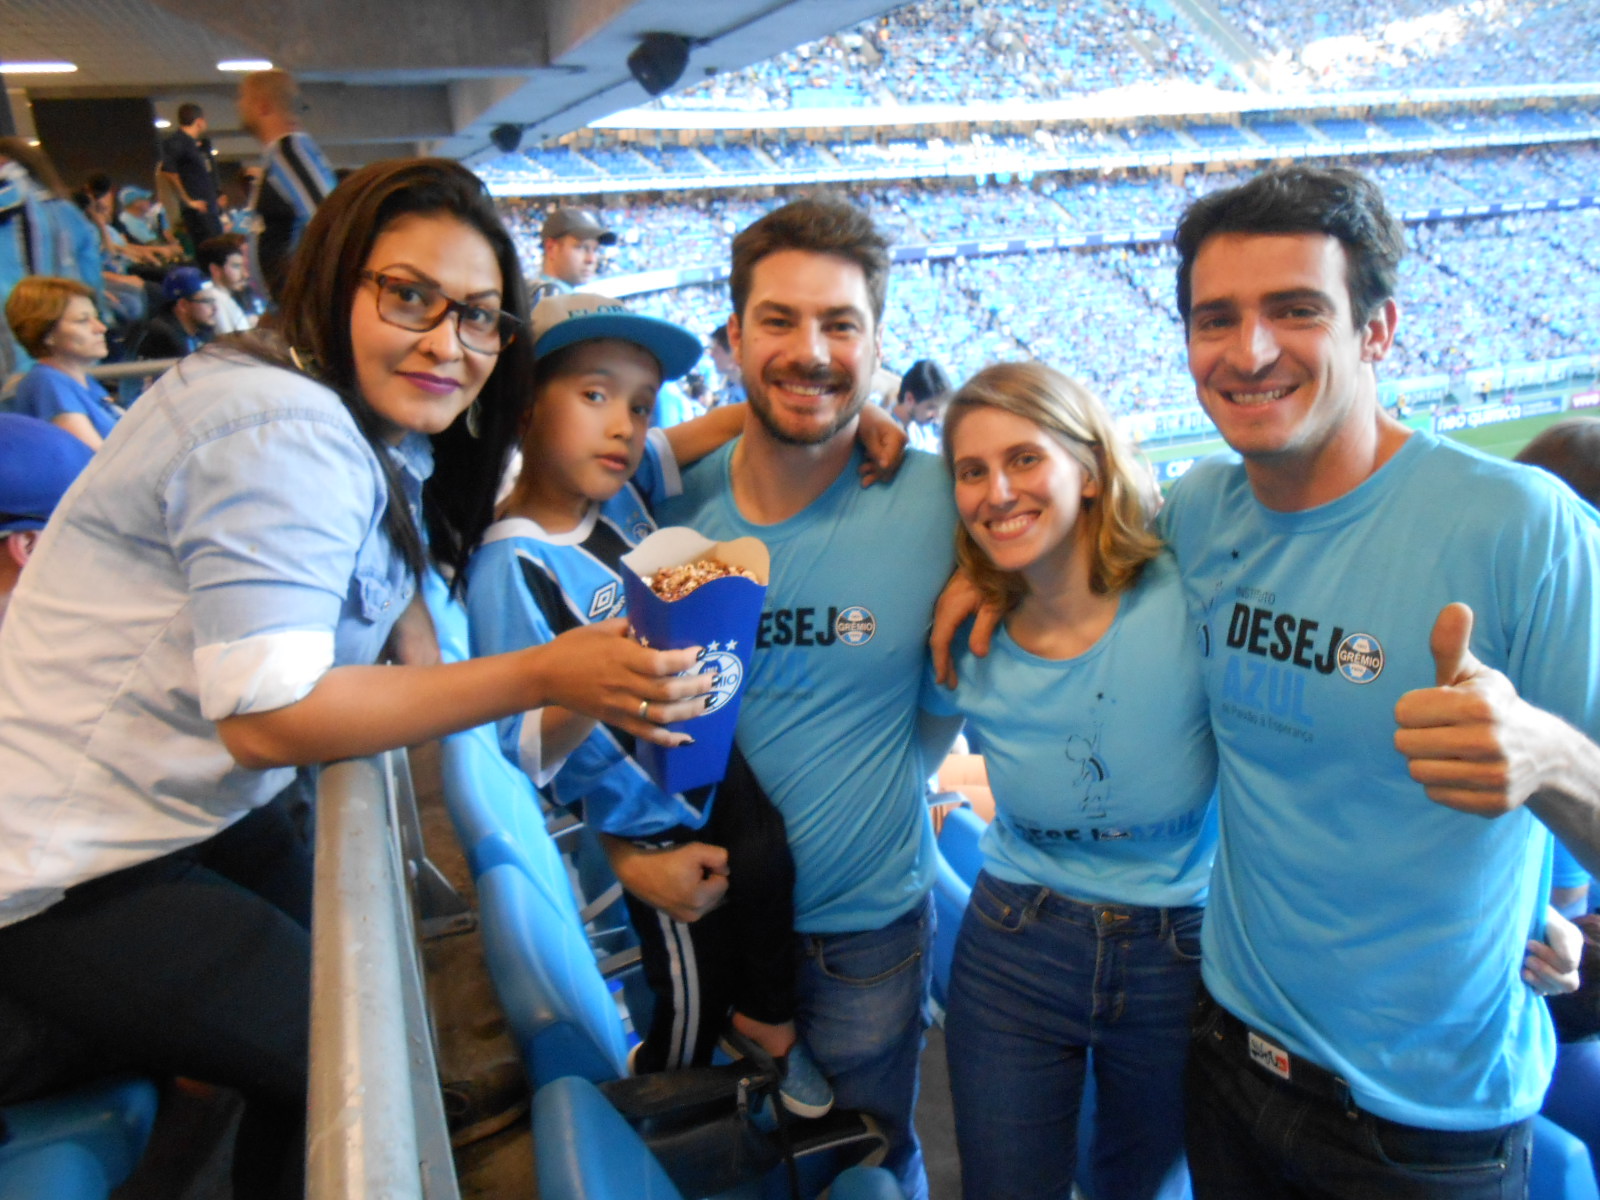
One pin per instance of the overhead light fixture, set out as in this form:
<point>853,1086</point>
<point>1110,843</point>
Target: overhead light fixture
<point>244,64</point>
<point>163,123</point>
<point>657,62</point>
<point>37,68</point>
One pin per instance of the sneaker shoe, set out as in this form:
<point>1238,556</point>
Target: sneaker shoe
<point>804,1091</point>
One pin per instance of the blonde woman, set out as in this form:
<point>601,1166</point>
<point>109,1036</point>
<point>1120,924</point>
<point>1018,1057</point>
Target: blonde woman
<point>1081,948</point>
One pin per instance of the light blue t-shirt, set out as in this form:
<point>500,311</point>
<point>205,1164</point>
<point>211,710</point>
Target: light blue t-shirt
<point>828,719</point>
<point>47,393</point>
<point>1370,929</point>
<point>526,586</point>
<point>1102,766</point>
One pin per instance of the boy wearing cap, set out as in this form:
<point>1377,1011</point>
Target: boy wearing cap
<point>572,240</point>
<point>592,469</point>
<point>38,463</point>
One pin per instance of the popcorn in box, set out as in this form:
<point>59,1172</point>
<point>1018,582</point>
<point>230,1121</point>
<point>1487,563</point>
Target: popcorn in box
<point>720,615</point>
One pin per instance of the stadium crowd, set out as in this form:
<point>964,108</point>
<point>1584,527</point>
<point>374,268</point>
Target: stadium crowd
<point>1046,50</point>
<point>1067,147</point>
<point>968,312</point>
<point>1420,44</point>
<point>922,53</point>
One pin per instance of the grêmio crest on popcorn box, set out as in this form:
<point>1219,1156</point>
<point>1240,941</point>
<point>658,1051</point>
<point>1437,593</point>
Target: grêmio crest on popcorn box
<point>718,590</point>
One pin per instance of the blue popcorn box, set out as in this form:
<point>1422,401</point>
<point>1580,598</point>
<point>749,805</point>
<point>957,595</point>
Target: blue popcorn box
<point>721,617</point>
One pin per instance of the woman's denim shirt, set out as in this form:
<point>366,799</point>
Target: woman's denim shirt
<point>220,552</point>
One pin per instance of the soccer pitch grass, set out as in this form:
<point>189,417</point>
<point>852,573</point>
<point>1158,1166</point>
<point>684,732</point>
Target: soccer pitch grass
<point>1503,440</point>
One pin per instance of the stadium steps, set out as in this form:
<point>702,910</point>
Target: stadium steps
<point>1226,42</point>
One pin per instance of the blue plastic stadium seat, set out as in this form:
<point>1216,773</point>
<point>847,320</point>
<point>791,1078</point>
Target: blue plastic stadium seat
<point>958,842</point>
<point>76,1146</point>
<point>497,813</point>
<point>449,617</point>
<point>561,1012</point>
<point>586,1151</point>
<point>1562,1169</point>
<point>1573,1101</point>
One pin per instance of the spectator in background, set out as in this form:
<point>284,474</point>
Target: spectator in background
<point>189,320</point>
<point>38,463</point>
<point>730,389</point>
<point>118,255</point>
<point>1569,450</point>
<point>295,177</point>
<point>924,391</point>
<point>223,259</point>
<point>572,239</point>
<point>41,233</point>
<point>141,221</point>
<point>186,163</point>
<point>56,321</point>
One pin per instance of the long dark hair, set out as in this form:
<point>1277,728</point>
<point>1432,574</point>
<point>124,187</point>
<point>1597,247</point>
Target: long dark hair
<point>318,296</point>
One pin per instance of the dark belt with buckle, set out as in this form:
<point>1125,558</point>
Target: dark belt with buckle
<point>1232,1038</point>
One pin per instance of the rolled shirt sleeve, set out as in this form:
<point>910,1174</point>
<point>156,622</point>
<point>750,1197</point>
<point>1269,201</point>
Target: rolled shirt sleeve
<point>267,521</point>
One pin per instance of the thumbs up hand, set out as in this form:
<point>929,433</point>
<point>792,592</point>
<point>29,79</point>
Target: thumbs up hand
<point>1471,741</point>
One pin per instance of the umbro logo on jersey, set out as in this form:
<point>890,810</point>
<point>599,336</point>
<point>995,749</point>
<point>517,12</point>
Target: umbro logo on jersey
<point>606,600</point>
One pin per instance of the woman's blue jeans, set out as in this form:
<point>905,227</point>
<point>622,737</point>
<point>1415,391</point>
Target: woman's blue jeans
<point>1043,989</point>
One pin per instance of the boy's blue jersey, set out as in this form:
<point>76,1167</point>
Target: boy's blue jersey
<point>526,586</point>
<point>1370,929</point>
<point>829,713</point>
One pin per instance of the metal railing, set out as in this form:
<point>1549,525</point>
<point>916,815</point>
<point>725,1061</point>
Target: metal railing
<point>375,1122</point>
<point>105,373</point>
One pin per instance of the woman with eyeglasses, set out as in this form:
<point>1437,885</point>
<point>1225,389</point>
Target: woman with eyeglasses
<point>203,616</point>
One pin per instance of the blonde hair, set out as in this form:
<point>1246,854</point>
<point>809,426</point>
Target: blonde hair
<point>1116,520</point>
<point>36,304</point>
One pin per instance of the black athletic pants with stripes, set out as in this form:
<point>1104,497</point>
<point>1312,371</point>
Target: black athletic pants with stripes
<point>738,957</point>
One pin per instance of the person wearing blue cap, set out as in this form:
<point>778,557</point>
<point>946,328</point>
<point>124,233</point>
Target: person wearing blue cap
<point>592,470</point>
<point>189,320</point>
<point>38,463</point>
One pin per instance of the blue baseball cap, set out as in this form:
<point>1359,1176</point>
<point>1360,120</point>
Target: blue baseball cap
<point>132,195</point>
<point>182,283</point>
<point>564,320</point>
<point>38,462</point>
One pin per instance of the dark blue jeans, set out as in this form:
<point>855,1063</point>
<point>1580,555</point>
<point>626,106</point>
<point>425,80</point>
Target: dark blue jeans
<point>197,964</point>
<point>1044,989</point>
<point>862,1010</point>
<point>1250,1135</point>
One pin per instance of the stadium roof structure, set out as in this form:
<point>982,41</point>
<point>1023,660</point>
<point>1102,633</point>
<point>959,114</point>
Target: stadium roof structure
<point>388,77</point>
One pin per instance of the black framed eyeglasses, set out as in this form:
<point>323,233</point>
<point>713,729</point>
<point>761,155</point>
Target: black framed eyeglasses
<point>419,307</point>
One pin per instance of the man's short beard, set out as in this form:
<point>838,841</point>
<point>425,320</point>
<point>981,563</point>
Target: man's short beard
<point>763,411</point>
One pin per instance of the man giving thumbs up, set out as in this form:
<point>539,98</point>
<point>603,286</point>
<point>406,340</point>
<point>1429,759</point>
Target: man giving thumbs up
<point>1367,1029</point>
